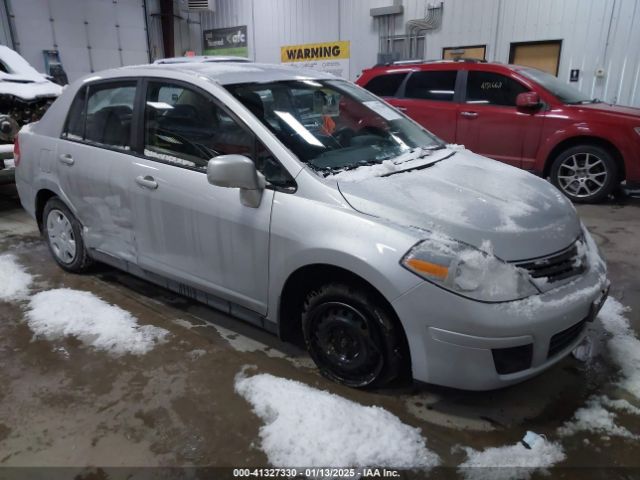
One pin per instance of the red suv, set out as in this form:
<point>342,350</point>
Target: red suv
<point>521,116</point>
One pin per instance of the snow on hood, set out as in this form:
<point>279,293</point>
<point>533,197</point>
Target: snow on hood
<point>22,80</point>
<point>469,198</point>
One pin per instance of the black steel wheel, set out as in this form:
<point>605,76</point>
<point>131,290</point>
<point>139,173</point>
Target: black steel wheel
<point>351,337</point>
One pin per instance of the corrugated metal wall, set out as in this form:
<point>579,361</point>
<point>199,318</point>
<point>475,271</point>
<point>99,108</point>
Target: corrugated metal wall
<point>90,35</point>
<point>594,33</point>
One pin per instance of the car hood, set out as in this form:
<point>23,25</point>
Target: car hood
<point>609,109</point>
<point>470,198</point>
<point>22,80</point>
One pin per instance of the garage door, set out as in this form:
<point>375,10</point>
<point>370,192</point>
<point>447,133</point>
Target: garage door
<point>544,56</point>
<point>90,35</point>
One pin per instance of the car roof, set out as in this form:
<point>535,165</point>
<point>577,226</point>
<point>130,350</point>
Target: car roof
<point>222,72</point>
<point>203,58</point>
<point>443,64</point>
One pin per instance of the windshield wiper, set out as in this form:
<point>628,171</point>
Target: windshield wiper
<point>420,167</point>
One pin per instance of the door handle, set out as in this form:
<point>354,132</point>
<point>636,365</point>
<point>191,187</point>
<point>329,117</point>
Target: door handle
<point>469,114</point>
<point>66,159</point>
<point>147,182</point>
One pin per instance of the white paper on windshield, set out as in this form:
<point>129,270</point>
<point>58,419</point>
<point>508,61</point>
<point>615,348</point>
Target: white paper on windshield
<point>383,110</point>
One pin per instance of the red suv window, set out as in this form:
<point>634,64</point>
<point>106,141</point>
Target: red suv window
<point>386,85</point>
<point>432,85</point>
<point>492,89</point>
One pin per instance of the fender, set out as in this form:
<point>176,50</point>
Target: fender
<point>304,232</point>
<point>556,131</point>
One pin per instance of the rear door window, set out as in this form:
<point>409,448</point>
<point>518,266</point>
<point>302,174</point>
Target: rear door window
<point>490,88</point>
<point>386,85</point>
<point>109,112</point>
<point>432,85</point>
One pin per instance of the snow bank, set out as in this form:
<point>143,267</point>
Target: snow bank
<point>14,280</point>
<point>65,312</point>
<point>309,427</point>
<point>510,462</point>
<point>623,345</point>
<point>594,418</point>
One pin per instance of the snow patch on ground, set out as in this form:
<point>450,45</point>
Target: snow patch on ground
<point>510,462</point>
<point>306,426</point>
<point>245,344</point>
<point>623,345</point>
<point>14,279</point>
<point>594,418</point>
<point>65,312</point>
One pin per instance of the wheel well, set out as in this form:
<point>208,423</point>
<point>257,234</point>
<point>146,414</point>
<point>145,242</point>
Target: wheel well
<point>302,281</point>
<point>585,140</point>
<point>42,198</point>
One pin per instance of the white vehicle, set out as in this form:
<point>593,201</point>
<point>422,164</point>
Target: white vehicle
<point>25,94</point>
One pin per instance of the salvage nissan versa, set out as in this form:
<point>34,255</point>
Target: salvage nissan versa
<point>304,204</point>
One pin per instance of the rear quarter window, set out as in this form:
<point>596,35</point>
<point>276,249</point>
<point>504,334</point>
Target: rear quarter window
<point>74,127</point>
<point>386,85</point>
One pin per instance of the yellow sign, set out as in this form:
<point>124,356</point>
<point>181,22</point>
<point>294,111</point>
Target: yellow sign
<point>311,52</point>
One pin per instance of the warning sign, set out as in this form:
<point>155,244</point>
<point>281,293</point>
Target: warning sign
<point>331,57</point>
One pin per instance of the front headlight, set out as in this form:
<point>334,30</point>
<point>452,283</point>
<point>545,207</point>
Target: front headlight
<point>468,271</point>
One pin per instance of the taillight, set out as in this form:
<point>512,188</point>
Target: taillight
<point>16,150</point>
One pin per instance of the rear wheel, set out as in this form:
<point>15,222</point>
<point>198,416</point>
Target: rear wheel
<point>63,233</point>
<point>585,173</point>
<point>351,336</point>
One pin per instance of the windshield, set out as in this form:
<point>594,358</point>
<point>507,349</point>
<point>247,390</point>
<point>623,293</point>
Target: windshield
<point>333,125</point>
<point>565,93</point>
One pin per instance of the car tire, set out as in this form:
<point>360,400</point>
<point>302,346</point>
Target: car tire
<point>585,173</point>
<point>352,337</point>
<point>63,233</point>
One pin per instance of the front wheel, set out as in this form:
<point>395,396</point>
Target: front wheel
<point>351,336</point>
<point>585,173</point>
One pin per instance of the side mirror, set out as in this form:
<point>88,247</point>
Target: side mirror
<point>528,100</point>
<point>237,171</point>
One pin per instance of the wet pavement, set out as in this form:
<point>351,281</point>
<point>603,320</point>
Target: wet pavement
<point>63,404</point>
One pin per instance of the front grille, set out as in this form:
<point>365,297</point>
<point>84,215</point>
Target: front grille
<point>559,266</point>
<point>512,359</point>
<point>563,339</point>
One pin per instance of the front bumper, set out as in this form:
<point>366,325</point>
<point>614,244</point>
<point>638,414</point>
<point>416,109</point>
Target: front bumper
<point>7,173</point>
<point>454,340</point>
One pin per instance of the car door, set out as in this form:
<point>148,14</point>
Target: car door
<point>428,97</point>
<point>490,124</point>
<point>186,229</point>
<point>93,163</point>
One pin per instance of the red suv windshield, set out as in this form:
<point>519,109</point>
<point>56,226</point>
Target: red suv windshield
<point>565,93</point>
<point>332,124</point>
